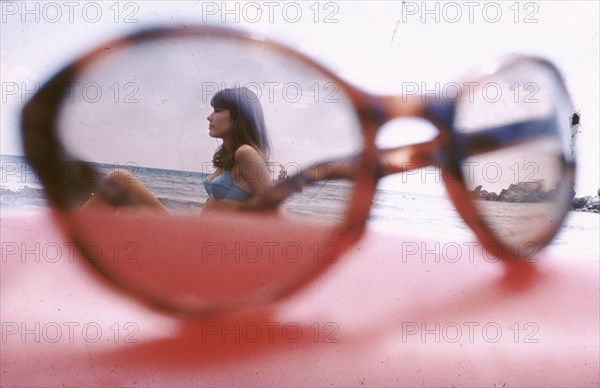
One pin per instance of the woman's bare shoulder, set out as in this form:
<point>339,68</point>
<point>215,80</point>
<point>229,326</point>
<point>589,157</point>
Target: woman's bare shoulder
<point>247,154</point>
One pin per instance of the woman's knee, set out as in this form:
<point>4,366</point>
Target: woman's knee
<point>121,176</point>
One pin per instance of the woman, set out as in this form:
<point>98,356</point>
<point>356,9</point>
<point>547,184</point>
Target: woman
<point>240,161</point>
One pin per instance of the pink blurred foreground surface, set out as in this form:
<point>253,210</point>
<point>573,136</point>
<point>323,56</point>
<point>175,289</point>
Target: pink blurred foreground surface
<point>376,318</point>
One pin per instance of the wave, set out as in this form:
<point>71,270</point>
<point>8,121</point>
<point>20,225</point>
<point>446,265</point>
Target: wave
<point>22,197</point>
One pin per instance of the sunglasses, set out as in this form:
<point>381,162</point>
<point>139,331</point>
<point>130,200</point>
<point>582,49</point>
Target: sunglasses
<point>139,105</point>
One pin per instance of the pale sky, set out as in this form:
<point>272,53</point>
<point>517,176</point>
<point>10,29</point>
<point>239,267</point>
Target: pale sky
<point>386,47</point>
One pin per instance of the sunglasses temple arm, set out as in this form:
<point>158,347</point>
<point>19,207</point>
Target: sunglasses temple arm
<point>495,138</point>
<point>324,172</point>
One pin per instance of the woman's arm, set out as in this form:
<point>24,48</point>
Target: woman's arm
<point>250,171</point>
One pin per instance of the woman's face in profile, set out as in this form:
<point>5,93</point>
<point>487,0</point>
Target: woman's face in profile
<point>220,123</point>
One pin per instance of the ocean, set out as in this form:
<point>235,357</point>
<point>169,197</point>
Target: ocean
<point>418,214</point>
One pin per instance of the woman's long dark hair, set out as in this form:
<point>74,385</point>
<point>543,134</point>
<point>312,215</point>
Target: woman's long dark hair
<point>248,124</point>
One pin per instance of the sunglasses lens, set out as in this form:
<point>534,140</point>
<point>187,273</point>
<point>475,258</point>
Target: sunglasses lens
<point>148,108</point>
<point>522,187</point>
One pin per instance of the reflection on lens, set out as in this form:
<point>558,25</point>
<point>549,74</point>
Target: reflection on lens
<point>522,190</point>
<point>194,126</point>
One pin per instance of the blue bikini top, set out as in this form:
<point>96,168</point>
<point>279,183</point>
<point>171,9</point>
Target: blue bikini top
<point>222,187</point>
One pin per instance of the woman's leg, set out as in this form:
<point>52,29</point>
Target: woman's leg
<point>137,195</point>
